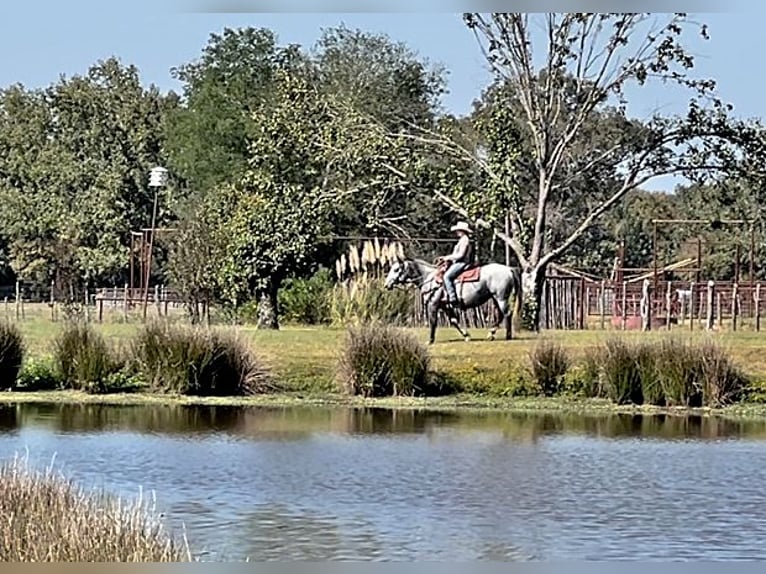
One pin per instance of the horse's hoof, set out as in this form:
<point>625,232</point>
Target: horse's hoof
<point>467,338</point>
<point>430,342</point>
<point>490,337</point>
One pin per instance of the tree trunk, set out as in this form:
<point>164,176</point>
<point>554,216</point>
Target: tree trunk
<point>532,281</point>
<point>268,306</point>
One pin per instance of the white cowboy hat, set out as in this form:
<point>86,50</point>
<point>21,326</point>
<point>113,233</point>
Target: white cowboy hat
<point>461,226</point>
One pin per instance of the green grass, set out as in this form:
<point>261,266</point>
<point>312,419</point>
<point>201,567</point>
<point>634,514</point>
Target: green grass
<point>305,361</point>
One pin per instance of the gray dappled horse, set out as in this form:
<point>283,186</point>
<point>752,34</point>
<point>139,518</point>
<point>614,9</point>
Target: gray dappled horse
<point>475,286</point>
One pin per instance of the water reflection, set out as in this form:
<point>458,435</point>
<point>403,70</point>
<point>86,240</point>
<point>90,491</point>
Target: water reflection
<point>298,423</point>
<point>374,484</point>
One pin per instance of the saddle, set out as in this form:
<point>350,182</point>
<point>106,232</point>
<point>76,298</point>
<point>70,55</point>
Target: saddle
<point>470,274</point>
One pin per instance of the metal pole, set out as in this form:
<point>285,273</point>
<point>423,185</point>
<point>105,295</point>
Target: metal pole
<point>132,255</point>
<point>654,248</point>
<point>507,234</point>
<point>149,255</point>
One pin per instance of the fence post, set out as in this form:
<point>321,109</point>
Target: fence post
<point>646,306</point>
<point>758,307</point>
<point>710,296</point>
<point>624,305</point>
<point>668,301</point>
<point>734,306</point>
<point>18,300</point>
<point>125,301</point>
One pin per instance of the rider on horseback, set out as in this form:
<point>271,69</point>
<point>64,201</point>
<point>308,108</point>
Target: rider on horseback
<point>460,259</point>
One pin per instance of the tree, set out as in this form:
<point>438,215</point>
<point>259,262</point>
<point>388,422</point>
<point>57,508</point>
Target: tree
<point>74,172</point>
<point>587,62</point>
<point>295,119</point>
<point>209,135</point>
<point>374,76</point>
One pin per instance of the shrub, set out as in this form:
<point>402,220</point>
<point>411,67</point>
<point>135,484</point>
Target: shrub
<point>39,375</point>
<point>368,301</point>
<point>197,361</point>
<point>48,519</point>
<point>549,363</point>
<point>11,354</point>
<point>83,359</point>
<point>307,301</point>
<point>380,360</point>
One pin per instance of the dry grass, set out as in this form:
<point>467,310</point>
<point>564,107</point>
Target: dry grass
<point>46,518</point>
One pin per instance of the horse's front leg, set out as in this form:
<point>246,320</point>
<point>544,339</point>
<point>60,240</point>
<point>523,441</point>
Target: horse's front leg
<point>433,317</point>
<point>454,320</point>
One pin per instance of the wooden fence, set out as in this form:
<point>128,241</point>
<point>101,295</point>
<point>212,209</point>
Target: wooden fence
<point>160,298</point>
<point>706,305</point>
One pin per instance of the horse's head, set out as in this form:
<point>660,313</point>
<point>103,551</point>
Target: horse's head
<point>399,274</point>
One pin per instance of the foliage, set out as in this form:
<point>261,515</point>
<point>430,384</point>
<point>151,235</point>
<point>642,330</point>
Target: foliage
<point>306,301</point>
<point>550,363</point>
<point>208,138</point>
<point>198,361</point>
<point>74,171</point>
<point>12,351</point>
<point>50,519</point>
<point>380,360</point>
<point>83,358</point>
<point>39,375</point>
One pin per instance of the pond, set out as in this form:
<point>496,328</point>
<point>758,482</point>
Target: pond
<point>371,484</point>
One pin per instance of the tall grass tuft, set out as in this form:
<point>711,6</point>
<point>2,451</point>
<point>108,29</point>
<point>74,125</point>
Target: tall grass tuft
<point>12,351</point>
<point>198,361</point>
<point>668,372</point>
<point>380,360</point>
<point>722,381</point>
<point>550,363</point>
<point>621,372</point>
<point>83,358</point>
<point>46,518</point>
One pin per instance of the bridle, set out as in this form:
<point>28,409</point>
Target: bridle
<point>406,278</point>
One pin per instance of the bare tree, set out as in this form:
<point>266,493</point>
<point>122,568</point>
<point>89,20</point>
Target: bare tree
<point>584,64</point>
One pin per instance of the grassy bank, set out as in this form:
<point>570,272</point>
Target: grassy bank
<point>46,518</point>
<point>482,374</point>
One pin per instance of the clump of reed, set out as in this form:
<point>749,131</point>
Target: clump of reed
<point>549,363</point>
<point>12,350</point>
<point>360,295</point>
<point>198,361</point>
<point>83,359</point>
<point>47,518</point>
<point>380,360</point>
<point>669,372</point>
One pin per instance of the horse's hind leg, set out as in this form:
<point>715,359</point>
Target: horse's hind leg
<point>505,316</point>
<point>499,314</point>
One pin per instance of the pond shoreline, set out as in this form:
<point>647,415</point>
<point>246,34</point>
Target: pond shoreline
<point>461,402</point>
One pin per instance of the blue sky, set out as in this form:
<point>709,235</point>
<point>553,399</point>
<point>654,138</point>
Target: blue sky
<point>41,40</point>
